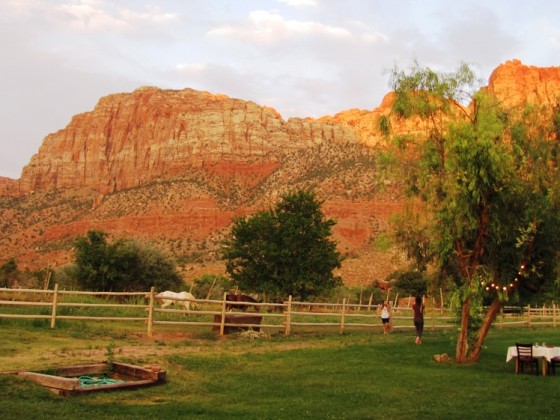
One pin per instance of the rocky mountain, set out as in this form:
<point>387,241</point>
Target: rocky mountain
<point>175,167</point>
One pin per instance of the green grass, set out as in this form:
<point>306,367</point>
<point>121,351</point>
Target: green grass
<point>358,375</point>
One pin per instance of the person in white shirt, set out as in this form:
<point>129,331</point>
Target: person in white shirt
<point>385,310</point>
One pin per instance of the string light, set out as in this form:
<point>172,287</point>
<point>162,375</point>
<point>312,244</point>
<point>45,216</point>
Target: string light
<point>498,287</point>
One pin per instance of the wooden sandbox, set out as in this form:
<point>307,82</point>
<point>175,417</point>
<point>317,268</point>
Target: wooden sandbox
<point>66,381</point>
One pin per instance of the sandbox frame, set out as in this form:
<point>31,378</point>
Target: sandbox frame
<point>64,381</point>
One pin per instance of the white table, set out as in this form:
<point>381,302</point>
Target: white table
<point>545,353</point>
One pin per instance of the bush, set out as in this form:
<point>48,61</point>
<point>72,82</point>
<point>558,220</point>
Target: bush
<point>410,282</point>
<point>123,265</point>
<point>211,286</point>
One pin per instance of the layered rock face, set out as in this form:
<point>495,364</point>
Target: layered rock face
<point>149,134</point>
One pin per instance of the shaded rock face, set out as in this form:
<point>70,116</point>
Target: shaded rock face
<point>175,167</point>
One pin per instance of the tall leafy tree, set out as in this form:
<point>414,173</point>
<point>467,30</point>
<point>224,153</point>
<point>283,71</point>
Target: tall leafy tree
<point>284,251</point>
<point>488,178</point>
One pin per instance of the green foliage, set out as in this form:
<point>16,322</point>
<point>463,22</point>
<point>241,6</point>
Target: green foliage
<point>110,355</point>
<point>12,276</point>
<point>8,273</point>
<point>486,175</point>
<point>385,125</point>
<point>355,295</point>
<point>410,282</point>
<point>476,311</point>
<point>211,286</point>
<point>123,265</point>
<point>483,188</point>
<point>426,93</point>
<point>284,251</point>
<point>413,235</point>
<point>67,277</point>
<point>383,242</point>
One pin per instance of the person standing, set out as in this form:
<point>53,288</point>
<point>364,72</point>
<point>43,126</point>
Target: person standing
<point>418,309</point>
<point>386,317</point>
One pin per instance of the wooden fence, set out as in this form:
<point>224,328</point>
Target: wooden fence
<point>284,316</point>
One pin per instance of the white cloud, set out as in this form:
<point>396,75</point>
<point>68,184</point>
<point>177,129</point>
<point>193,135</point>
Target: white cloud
<point>90,15</point>
<point>152,14</point>
<point>192,67</point>
<point>299,3</point>
<point>265,27</point>
<point>95,16</point>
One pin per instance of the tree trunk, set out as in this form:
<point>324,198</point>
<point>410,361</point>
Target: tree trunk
<point>463,339</point>
<point>489,318</point>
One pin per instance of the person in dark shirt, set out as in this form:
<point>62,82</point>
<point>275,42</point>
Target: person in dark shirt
<point>418,309</point>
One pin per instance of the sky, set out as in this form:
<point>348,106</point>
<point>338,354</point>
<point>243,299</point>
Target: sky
<point>304,58</point>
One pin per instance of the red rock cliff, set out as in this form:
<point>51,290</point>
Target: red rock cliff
<point>516,84</point>
<point>133,138</point>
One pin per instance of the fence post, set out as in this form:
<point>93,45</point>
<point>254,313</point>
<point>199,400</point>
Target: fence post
<point>361,294</point>
<point>433,319</point>
<point>342,316</point>
<point>223,320</point>
<point>529,315</point>
<point>151,312</point>
<point>54,304</point>
<point>288,316</point>
<point>554,314</point>
<point>502,317</point>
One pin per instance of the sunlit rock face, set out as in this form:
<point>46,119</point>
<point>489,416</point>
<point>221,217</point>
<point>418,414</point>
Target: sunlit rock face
<point>133,138</point>
<point>515,84</point>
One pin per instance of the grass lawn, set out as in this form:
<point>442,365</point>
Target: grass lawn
<point>358,375</point>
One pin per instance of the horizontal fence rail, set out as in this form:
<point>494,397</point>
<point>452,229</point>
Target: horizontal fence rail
<point>143,307</point>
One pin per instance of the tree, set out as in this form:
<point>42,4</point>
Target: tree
<point>488,178</point>
<point>9,273</point>
<point>284,251</point>
<point>410,282</point>
<point>123,265</point>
